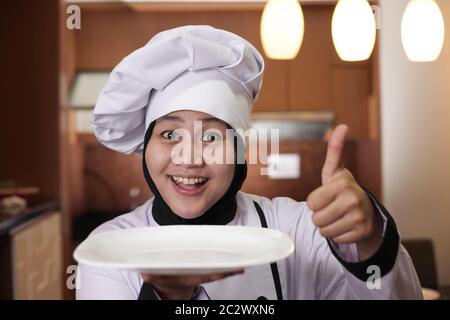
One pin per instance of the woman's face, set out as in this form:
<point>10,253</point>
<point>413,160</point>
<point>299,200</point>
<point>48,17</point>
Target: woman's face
<point>189,187</point>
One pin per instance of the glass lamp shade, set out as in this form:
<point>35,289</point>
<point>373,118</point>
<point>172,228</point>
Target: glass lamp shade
<point>354,30</point>
<point>282,29</point>
<point>423,30</point>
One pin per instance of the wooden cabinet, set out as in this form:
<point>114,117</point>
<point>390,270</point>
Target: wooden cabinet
<point>35,260</point>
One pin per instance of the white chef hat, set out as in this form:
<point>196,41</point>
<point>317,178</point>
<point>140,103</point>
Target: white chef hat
<point>194,67</point>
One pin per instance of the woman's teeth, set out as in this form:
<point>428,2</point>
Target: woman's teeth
<point>188,181</point>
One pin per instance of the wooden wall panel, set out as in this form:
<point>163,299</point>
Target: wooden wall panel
<point>314,80</point>
<point>351,91</point>
<point>310,73</point>
<point>108,177</point>
<point>76,190</point>
<point>368,158</point>
<point>29,101</point>
<point>107,37</point>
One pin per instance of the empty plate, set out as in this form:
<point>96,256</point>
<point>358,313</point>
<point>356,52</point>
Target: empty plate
<point>180,249</point>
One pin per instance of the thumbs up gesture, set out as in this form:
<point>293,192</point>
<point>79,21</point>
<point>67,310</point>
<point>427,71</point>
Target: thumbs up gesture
<point>341,209</point>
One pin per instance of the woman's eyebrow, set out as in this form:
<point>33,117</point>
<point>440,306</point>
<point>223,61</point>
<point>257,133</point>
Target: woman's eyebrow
<point>211,119</point>
<point>179,119</point>
<point>171,118</point>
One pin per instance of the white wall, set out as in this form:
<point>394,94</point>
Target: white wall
<point>415,128</point>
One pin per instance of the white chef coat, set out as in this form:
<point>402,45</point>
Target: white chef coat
<point>311,272</point>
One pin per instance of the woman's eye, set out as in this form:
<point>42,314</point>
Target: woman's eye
<point>211,137</point>
<point>170,135</point>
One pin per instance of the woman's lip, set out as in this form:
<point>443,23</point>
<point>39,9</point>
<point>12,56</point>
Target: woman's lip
<point>188,192</point>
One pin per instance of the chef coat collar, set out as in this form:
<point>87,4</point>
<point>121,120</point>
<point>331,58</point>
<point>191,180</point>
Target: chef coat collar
<point>221,213</point>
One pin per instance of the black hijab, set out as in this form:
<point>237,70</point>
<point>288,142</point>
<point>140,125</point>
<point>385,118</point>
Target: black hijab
<point>221,213</point>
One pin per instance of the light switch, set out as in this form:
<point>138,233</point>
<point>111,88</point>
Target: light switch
<point>284,166</point>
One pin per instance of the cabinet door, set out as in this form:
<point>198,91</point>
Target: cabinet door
<point>37,260</point>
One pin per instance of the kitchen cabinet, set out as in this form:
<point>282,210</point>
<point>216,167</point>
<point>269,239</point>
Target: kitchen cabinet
<point>37,259</point>
<point>32,254</point>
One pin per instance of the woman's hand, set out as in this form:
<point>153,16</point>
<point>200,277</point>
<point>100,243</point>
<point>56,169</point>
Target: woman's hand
<point>342,209</point>
<point>174,287</point>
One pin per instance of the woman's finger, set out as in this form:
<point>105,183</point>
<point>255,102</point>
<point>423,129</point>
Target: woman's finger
<point>338,228</point>
<point>349,237</point>
<point>333,212</point>
<point>333,159</point>
<point>326,194</point>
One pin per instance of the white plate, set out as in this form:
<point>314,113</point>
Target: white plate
<point>184,249</point>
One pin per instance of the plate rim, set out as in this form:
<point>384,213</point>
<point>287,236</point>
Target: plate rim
<point>180,266</point>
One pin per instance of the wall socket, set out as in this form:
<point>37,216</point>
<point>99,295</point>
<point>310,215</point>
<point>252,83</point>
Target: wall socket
<point>284,166</point>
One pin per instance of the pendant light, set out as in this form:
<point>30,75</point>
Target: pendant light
<point>282,29</point>
<point>354,30</point>
<point>423,30</point>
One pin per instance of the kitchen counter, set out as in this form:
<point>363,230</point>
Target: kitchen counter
<point>35,209</point>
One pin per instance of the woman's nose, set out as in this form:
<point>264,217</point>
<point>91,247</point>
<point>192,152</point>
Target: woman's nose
<point>196,155</point>
<point>192,155</point>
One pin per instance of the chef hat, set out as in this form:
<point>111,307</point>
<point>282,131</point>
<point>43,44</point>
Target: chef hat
<point>195,67</point>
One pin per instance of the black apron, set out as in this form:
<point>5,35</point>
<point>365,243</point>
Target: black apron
<point>147,292</point>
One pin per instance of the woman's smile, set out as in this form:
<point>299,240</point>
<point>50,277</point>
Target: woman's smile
<point>188,186</point>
